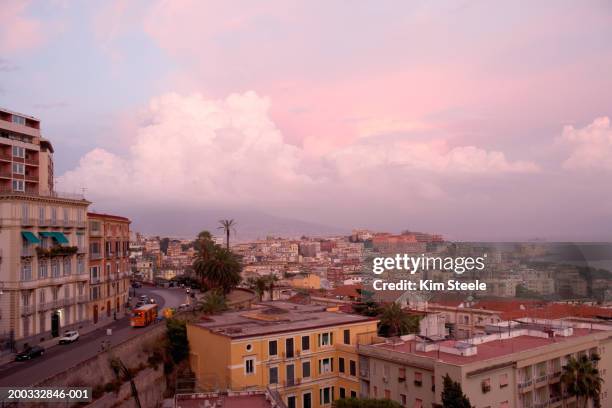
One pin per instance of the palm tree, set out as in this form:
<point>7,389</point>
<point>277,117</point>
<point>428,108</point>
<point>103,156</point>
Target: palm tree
<point>394,322</point>
<point>221,270</point>
<point>227,226</point>
<point>271,280</point>
<point>205,250</point>
<point>581,379</point>
<point>259,285</point>
<point>213,303</point>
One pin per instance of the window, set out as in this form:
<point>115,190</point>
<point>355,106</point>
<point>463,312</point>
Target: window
<point>353,394</point>
<point>18,168</point>
<point>403,399</point>
<point>41,296</point>
<point>55,269</point>
<point>341,364</point>
<point>273,375</point>
<point>353,368</point>
<point>486,385</point>
<point>42,269</point>
<point>387,394</point>
<point>20,120</point>
<point>249,366</point>
<point>306,369</point>
<point>291,401</point>
<point>26,272</point>
<point>347,336</point>
<point>326,365</point>
<point>503,380</point>
<point>41,214</point>
<point>342,393</point>
<point>418,379</point>
<point>307,400</point>
<point>53,215</point>
<point>67,266</point>
<point>66,214</point>
<point>402,375</point>
<point>326,339</point>
<point>249,347</point>
<point>305,343</point>
<point>418,403</point>
<point>289,347</point>
<point>272,348</point>
<point>325,395</point>
<point>18,151</point>
<point>18,185</point>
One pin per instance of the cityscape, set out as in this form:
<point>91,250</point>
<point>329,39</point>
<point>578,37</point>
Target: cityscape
<point>305,204</point>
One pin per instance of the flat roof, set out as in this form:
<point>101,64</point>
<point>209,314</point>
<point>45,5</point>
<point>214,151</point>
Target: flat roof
<point>486,351</point>
<point>19,114</point>
<point>277,317</point>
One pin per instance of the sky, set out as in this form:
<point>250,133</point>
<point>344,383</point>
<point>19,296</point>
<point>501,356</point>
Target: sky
<point>474,119</point>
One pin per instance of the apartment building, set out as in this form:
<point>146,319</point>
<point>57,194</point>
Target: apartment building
<point>307,353</point>
<point>109,265</point>
<point>43,245</point>
<point>517,364</point>
<point>26,159</point>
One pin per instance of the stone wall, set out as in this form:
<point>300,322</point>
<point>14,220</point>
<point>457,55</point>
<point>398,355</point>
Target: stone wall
<point>150,384</point>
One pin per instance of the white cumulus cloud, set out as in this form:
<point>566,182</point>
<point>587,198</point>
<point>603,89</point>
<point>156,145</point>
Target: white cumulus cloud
<point>591,146</point>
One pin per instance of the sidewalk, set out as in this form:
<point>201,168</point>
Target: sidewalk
<point>53,342</point>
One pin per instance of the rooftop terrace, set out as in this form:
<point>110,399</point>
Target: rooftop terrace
<point>277,317</point>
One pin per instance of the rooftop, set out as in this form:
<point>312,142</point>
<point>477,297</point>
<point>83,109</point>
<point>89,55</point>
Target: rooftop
<point>277,317</point>
<point>447,350</point>
<point>216,400</point>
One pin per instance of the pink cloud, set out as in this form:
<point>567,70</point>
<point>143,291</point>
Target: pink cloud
<point>590,146</point>
<point>17,31</point>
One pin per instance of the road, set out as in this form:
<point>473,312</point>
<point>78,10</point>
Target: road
<point>59,358</point>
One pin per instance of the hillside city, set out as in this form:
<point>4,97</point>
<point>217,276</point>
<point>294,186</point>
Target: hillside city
<point>282,322</point>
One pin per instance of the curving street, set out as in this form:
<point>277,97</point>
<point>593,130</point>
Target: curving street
<point>59,358</point>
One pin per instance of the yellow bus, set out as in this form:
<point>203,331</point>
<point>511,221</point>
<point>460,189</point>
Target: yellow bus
<point>143,316</point>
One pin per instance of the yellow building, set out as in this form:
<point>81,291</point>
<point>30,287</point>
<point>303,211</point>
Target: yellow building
<point>309,281</point>
<point>305,352</point>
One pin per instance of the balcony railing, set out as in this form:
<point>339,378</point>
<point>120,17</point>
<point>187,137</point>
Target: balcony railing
<point>6,173</point>
<point>31,161</point>
<point>541,379</point>
<point>83,299</point>
<point>44,222</point>
<point>37,192</point>
<point>27,252</point>
<point>27,310</point>
<point>80,224</point>
<point>95,255</point>
<point>28,221</point>
<point>81,250</point>
<point>31,177</point>
<point>95,233</point>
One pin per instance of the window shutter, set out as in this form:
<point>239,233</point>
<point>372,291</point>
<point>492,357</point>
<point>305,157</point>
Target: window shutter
<point>331,338</point>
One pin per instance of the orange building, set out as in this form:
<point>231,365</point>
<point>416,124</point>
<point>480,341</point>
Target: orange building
<point>109,265</point>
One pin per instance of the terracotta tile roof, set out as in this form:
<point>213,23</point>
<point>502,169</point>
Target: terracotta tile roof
<point>347,290</point>
<point>515,309</point>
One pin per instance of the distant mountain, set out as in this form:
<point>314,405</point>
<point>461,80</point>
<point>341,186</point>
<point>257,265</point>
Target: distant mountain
<point>249,224</point>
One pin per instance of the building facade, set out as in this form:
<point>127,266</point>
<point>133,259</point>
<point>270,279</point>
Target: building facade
<point>109,266</point>
<point>305,352</point>
<point>43,241</point>
<point>516,368</point>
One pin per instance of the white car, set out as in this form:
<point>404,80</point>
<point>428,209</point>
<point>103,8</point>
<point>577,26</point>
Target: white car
<point>69,337</point>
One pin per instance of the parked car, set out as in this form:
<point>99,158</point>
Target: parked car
<point>30,353</point>
<point>69,337</point>
<point>140,303</point>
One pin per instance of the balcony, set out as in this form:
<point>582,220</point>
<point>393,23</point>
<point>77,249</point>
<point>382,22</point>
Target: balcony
<point>28,222</point>
<point>28,252</point>
<point>6,173</point>
<point>540,404</point>
<point>82,299</point>
<point>31,177</point>
<point>27,310</point>
<point>95,233</point>
<point>67,223</point>
<point>81,250</point>
<point>54,222</point>
<point>554,377</point>
<point>95,279</point>
<point>525,386</point>
<point>31,161</point>
<point>6,156</point>
<point>44,222</point>
<point>95,256</point>
<point>80,224</point>
<point>541,380</point>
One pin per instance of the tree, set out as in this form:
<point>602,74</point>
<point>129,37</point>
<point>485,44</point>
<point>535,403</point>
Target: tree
<point>213,303</point>
<point>453,396</point>
<point>271,280</point>
<point>365,403</point>
<point>394,322</point>
<point>163,245</point>
<point>581,379</point>
<point>259,285</point>
<point>227,226</point>
<point>176,332</point>
<point>216,267</point>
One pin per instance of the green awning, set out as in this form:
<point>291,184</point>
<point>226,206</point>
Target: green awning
<point>30,237</point>
<point>46,234</point>
<point>60,237</point>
